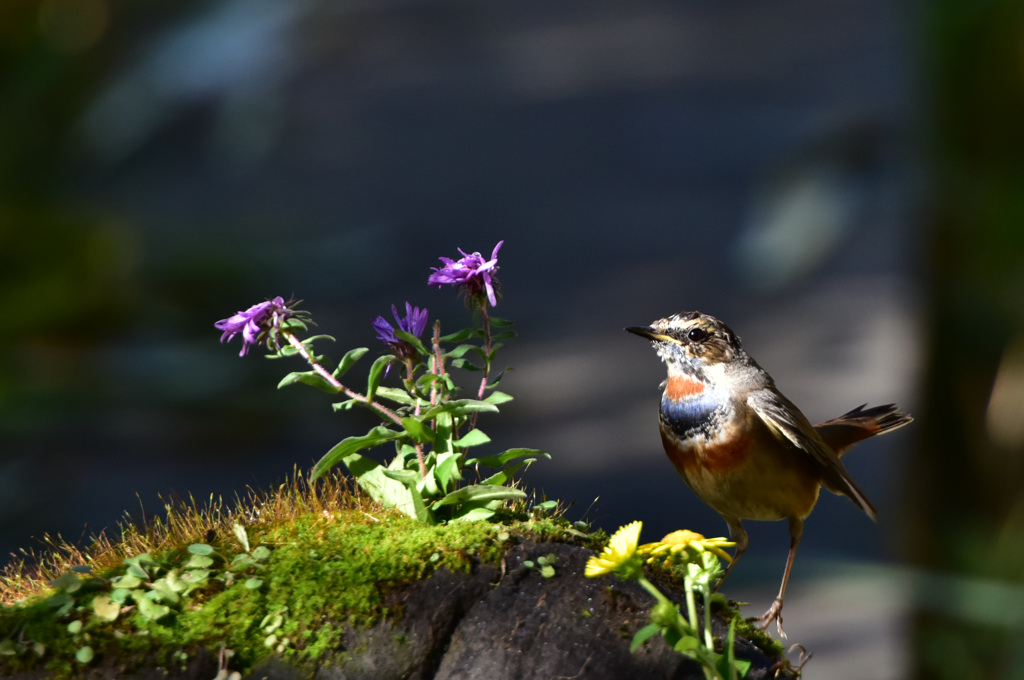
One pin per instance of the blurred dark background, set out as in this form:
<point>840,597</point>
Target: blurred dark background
<point>842,182</point>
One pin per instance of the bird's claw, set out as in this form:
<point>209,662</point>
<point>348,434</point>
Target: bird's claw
<point>774,613</point>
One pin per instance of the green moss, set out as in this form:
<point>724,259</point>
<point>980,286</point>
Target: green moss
<point>324,571</point>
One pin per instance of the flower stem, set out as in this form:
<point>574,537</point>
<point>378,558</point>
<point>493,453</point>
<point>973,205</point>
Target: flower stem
<point>487,348</point>
<point>438,364</point>
<point>326,375</point>
<point>411,387</point>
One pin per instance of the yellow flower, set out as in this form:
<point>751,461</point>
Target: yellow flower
<point>618,555</point>
<point>679,541</point>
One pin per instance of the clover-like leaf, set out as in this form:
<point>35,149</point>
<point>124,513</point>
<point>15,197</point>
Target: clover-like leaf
<point>105,607</point>
<point>152,610</point>
<point>127,581</point>
<point>69,582</point>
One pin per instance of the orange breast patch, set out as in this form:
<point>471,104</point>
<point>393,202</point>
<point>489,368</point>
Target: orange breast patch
<point>680,387</point>
<point>717,455</point>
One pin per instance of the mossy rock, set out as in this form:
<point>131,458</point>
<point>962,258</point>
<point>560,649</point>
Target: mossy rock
<point>356,595</point>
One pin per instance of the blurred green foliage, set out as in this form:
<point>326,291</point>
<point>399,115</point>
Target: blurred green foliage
<point>966,484</point>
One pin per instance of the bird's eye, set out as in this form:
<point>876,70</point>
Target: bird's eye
<point>696,334</point>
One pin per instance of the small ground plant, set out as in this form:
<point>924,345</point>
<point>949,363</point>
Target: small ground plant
<point>428,420</point>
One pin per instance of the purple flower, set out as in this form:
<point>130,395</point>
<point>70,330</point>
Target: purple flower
<point>414,322</point>
<point>475,274</point>
<point>256,324</point>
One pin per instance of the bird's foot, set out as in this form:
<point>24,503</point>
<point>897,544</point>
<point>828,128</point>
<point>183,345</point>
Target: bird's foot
<point>774,613</point>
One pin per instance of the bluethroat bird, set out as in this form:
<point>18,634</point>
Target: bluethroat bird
<point>740,445</point>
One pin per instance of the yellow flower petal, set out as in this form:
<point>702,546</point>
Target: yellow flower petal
<point>620,549</point>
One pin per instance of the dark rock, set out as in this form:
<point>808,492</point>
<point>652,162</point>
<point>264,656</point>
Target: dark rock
<point>518,624</point>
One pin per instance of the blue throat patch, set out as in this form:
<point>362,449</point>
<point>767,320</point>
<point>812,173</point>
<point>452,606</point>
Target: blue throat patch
<point>692,416</point>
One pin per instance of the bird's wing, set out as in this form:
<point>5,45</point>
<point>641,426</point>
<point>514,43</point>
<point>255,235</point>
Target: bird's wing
<point>785,421</point>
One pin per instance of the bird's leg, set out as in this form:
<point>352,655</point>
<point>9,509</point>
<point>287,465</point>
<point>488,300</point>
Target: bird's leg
<point>739,535</point>
<point>774,613</point>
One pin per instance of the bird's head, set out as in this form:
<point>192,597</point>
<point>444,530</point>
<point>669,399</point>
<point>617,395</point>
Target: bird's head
<point>693,343</point>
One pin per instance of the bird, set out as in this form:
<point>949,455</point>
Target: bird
<point>741,446</point>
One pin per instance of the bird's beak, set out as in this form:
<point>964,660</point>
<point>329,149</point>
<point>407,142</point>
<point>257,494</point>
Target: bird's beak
<point>649,333</point>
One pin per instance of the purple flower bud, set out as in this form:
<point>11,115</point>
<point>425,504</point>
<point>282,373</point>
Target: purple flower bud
<point>414,322</point>
<point>475,274</point>
<point>255,324</point>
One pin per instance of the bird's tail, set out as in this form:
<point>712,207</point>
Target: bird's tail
<point>843,432</point>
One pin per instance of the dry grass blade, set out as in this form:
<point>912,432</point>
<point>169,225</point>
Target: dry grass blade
<point>30,572</point>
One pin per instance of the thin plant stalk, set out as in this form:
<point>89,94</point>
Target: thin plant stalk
<point>326,375</point>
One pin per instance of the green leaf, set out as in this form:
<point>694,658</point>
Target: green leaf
<point>350,445</point>
<point>200,549</point>
<point>459,336</point>
<point>446,469</point>
<point>105,608</point>
<point>643,635</point>
<point>460,407</point>
<point>376,372</point>
<point>686,643</point>
<point>84,654</point>
<point>511,454</point>
<point>308,342</point>
<point>199,562</point>
<point>69,582</point>
<point>418,431</point>
<point>465,365</point>
<point>151,610</point>
<point>495,321</point>
<point>478,493</point>
<point>412,340</point>
<point>138,572</point>
<point>473,514</point>
<point>75,627</point>
<point>459,351</point>
<point>472,438</point>
<point>443,424</point>
<point>128,581</point>
<point>396,395</point>
<point>166,589</point>
<point>499,478</point>
<point>253,583</point>
<point>374,479</point>
<point>349,360</point>
<point>497,397</point>
<point>311,378</point>
<point>120,595</point>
